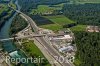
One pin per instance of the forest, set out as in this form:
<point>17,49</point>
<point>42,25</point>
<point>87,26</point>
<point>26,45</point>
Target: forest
<point>88,14</point>
<point>88,49</point>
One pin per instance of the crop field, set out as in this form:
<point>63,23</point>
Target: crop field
<point>54,27</point>
<point>53,22</point>
<point>58,22</point>
<point>41,20</point>
<point>60,19</point>
<point>78,28</point>
<point>46,8</point>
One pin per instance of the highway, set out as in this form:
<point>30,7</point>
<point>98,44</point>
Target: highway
<point>50,49</point>
<point>43,42</point>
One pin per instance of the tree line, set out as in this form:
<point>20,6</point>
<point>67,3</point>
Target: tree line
<point>88,14</point>
<point>88,48</point>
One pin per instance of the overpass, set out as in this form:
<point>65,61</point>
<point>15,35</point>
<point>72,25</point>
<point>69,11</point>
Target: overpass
<point>30,36</point>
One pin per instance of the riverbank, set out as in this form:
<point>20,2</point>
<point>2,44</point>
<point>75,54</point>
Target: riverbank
<point>5,14</point>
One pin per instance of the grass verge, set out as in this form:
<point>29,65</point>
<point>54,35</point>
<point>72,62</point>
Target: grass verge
<point>32,50</point>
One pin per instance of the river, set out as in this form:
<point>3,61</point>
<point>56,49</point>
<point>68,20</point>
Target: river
<point>9,45</point>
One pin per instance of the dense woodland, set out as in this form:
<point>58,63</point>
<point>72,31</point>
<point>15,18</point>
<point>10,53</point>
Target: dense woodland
<point>18,24</point>
<point>88,45</point>
<point>27,5</point>
<point>83,13</point>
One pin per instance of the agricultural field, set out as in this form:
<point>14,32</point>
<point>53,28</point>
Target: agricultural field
<point>78,28</point>
<point>58,22</point>
<point>60,19</point>
<point>42,9</point>
<point>54,27</point>
<point>53,22</point>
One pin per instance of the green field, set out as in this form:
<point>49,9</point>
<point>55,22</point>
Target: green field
<point>30,47</point>
<point>32,50</point>
<point>58,21</point>
<point>54,27</point>
<point>79,28</point>
<point>41,9</point>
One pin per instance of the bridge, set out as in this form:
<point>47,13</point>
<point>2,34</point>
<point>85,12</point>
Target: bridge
<point>30,36</point>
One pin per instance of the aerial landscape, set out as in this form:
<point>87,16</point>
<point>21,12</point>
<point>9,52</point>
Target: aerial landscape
<point>49,32</point>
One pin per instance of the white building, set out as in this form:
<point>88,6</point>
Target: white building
<point>66,49</point>
<point>65,37</point>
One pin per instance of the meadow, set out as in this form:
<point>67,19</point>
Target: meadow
<point>41,9</point>
<point>54,23</point>
<point>78,28</point>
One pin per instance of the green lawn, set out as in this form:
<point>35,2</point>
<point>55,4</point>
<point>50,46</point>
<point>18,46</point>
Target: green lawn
<point>79,28</point>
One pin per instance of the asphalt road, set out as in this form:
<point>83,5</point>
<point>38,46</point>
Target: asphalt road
<point>44,43</point>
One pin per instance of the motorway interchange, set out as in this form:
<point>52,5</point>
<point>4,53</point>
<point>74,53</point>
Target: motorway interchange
<point>50,53</point>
